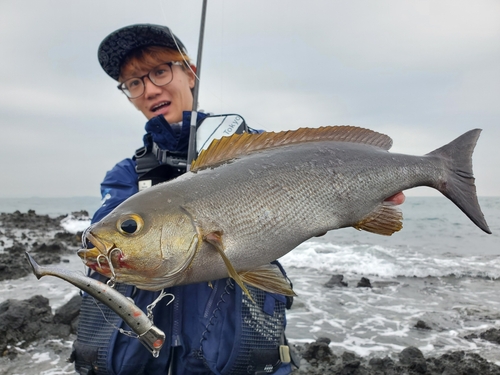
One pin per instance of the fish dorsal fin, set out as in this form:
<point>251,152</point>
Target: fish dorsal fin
<point>227,148</point>
<point>385,220</point>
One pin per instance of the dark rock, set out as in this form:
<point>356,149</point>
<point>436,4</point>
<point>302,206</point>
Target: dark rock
<point>381,364</point>
<point>492,335</point>
<point>317,351</point>
<point>336,280</point>
<point>24,320</point>
<point>326,340</point>
<point>68,313</point>
<point>70,239</point>
<point>52,248</point>
<point>45,258</point>
<point>364,283</point>
<point>411,362</point>
<point>422,325</point>
<point>414,359</point>
<point>409,355</point>
<point>16,249</point>
<point>13,266</point>
<point>29,320</point>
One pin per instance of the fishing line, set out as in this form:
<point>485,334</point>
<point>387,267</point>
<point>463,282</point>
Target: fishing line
<point>149,309</point>
<point>212,94</point>
<point>121,330</point>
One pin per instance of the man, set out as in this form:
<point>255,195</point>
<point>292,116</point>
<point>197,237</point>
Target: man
<point>209,329</point>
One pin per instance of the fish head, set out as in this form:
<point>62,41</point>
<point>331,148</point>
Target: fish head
<point>146,247</point>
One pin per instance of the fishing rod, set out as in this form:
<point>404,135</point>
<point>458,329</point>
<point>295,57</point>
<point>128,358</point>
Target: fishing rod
<point>194,112</point>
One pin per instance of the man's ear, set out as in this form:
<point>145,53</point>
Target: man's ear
<point>192,75</point>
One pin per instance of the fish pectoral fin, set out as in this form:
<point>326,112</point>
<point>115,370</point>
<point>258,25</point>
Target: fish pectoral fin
<point>215,239</point>
<point>268,278</point>
<point>386,220</point>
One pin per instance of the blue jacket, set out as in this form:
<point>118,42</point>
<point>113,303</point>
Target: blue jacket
<point>209,329</point>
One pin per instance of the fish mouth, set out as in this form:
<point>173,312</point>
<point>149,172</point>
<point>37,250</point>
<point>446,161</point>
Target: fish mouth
<point>99,255</point>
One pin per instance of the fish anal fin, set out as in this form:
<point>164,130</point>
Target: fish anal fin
<point>385,220</point>
<point>215,239</point>
<point>228,148</point>
<point>268,278</point>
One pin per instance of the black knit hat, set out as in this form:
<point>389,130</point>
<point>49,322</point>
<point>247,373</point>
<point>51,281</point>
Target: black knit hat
<point>121,42</point>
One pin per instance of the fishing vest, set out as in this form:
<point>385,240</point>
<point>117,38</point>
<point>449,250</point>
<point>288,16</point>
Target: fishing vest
<point>155,165</point>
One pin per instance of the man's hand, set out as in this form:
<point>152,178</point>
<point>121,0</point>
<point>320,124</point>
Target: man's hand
<point>396,199</point>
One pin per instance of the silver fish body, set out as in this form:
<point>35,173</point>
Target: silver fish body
<point>258,207</point>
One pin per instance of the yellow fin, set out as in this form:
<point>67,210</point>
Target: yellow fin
<point>268,278</point>
<point>386,220</point>
<point>215,239</point>
<point>227,148</point>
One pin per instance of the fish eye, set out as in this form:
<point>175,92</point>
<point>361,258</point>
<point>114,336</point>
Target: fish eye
<point>130,224</point>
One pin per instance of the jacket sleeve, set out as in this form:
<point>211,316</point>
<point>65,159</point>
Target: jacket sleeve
<point>119,184</point>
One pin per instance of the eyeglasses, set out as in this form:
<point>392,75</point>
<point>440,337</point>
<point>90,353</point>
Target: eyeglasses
<point>161,75</point>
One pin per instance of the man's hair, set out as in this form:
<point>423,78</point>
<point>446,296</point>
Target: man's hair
<point>150,57</point>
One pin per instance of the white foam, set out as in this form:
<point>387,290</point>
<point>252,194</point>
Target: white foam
<point>74,224</point>
<point>386,262</point>
<point>41,357</point>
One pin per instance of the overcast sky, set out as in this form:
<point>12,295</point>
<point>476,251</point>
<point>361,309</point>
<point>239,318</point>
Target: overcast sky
<point>423,72</point>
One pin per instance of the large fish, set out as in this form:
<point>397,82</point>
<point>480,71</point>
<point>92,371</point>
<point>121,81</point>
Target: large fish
<point>250,199</point>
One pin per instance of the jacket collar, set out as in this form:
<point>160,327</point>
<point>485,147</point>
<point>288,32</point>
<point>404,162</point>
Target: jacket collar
<point>170,137</point>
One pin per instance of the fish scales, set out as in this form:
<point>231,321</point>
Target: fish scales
<point>297,194</point>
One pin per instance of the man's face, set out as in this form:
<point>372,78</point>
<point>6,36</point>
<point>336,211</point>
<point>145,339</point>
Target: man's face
<point>170,100</point>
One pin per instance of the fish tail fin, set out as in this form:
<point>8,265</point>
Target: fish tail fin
<point>34,265</point>
<point>459,185</point>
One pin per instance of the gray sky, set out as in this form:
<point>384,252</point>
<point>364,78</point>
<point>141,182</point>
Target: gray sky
<point>422,71</point>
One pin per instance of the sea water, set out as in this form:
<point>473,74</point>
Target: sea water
<point>440,268</point>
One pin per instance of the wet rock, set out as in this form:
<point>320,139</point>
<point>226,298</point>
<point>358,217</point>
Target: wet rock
<point>16,249</point>
<point>68,313</point>
<point>34,239</point>
<point>351,363</point>
<point>382,365</point>
<point>414,359</point>
<point>22,322</point>
<point>317,351</point>
<point>48,249</point>
<point>422,325</point>
<point>29,220</point>
<point>336,280</point>
<point>411,362</point>
<point>364,283</point>
<point>13,266</point>
<point>69,238</point>
<point>492,335</point>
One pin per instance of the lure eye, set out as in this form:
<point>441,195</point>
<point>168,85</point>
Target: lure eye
<point>130,224</point>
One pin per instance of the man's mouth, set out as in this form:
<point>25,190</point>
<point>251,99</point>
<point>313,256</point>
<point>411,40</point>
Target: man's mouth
<point>159,106</point>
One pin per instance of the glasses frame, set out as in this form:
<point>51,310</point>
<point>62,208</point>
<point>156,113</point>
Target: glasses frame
<point>169,63</point>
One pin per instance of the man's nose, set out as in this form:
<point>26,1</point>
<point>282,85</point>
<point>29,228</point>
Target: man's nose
<point>150,89</point>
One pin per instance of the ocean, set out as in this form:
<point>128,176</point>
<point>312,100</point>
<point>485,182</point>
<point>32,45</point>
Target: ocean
<point>440,269</point>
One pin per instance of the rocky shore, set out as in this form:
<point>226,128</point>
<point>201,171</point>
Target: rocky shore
<point>29,328</point>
